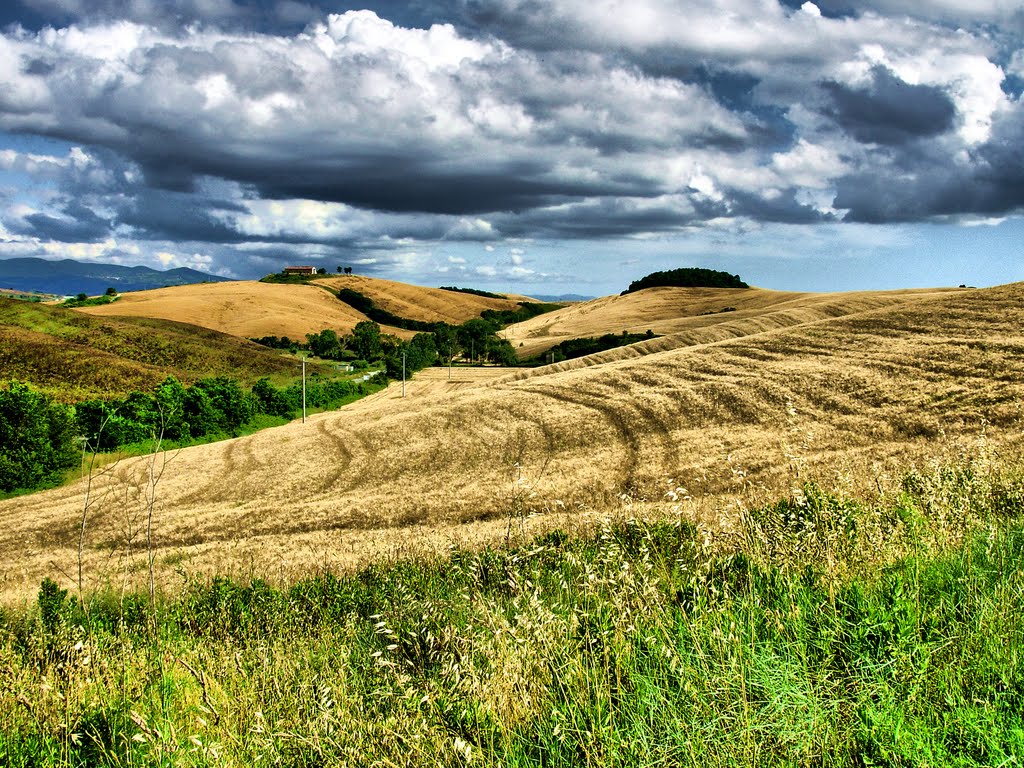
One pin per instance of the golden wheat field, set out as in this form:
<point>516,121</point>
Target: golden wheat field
<point>692,311</point>
<point>863,386</point>
<point>244,308</point>
<point>428,305</point>
<point>253,309</point>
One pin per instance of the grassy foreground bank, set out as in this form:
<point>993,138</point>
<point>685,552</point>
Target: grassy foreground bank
<point>830,631</point>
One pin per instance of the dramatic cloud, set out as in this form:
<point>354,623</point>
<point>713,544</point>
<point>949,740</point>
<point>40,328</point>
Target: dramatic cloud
<point>890,111</point>
<point>318,130</point>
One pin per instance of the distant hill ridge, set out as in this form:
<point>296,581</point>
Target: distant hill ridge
<point>68,277</point>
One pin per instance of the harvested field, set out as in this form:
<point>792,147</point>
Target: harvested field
<point>245,308</point>
<point>850,400</point>
<point>253,309</point>
<point>428,305</point>
<point>695,314</point>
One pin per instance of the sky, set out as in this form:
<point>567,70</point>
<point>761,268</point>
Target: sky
<point>537,146</point>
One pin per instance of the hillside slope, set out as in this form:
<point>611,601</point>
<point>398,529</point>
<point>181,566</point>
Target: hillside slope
<point>252,309</point>
<point>246,308</point>
<point>429,305</point>
<point>73,356</point>
<point>847,399</point>
<point>691,311</point>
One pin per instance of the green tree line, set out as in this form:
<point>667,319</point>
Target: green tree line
<point>209,407</point>
<point>474,291</point>
<point>573,348</point>
<point>475,340</point>
<point>40,438</point>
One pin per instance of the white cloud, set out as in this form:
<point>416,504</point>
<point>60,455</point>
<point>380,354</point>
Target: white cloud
<point>471,229</point>
<point>561,118</point>
<point>808,165</point>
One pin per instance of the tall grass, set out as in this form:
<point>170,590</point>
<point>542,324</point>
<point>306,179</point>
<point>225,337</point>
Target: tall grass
<point>830,631</point>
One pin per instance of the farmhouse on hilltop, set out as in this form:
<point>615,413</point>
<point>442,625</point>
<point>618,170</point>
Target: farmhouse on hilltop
<point>299,270</point>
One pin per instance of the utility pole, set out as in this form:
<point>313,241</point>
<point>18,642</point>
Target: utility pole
<point>449,362</point>
<point>403,373</point>
<point>303,389</point>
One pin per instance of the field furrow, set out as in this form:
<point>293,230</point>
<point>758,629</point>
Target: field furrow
<point>847,399</point>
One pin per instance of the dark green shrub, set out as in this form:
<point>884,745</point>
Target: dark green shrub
<point>37,438</point>
<point>53,605</point>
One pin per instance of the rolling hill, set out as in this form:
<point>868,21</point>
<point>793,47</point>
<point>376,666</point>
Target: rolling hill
<point>851,396</point>
<point>74,356</point>
<point>429,305</point>
<point>691,312</point>
<point>252,309</point>
<point>247,309</point>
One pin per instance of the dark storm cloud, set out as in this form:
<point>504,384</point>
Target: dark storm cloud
<point>507,138</point>
<point>269,16</point>
<point>890,111</point>
<point>76,224</point>
<point>159,215</point>
<point>596,219</point>
<point>402,185</point>
<point>783,207</point>
<point>989,185</point>
<point>280,123</point>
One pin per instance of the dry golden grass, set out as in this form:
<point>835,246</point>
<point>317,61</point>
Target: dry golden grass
<point>246,308</point>
<point>694,312</point>
<point>253,309</point>
<point>849,400</point>
<point>428,305</point>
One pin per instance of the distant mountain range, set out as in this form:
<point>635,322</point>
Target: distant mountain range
<point>68,277</point>
<point>561,297</point>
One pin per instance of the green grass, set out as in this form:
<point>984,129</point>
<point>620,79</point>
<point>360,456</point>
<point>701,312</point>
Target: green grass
<point>833,631</point>
<point>90,301</point>
<point>28,296</point>
<point>73,356</point>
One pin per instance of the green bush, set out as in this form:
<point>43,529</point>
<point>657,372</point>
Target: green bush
<point>37,439</point>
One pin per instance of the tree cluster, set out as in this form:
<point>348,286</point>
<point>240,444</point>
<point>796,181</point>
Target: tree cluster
<point>687,277</point>
<point>37,438</point>
<point>40,438</point>
<point>84,300</point>
<point>475,340</point>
